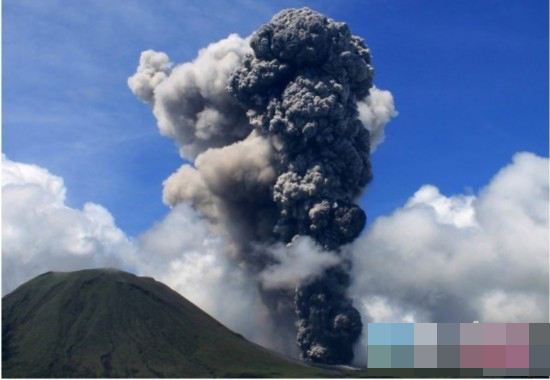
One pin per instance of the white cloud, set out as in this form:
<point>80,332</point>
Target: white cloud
<point>461,258</point>
<point>375,111</point>
<point>40,233</point>
<point>456,210</point>
<point>500,307</point>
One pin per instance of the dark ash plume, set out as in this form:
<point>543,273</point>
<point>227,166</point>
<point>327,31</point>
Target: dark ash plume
<point>301,87</point>
<point>281,153</point>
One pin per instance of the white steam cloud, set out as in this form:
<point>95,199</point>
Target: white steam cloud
<point>299,261</point>
<point>375,111</point>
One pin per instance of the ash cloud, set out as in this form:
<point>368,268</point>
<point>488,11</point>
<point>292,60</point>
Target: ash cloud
<point>230,186</point>
<point>301,88</point>
<point>281,153</point>
<point>189,100</point>
<point>154,67</point>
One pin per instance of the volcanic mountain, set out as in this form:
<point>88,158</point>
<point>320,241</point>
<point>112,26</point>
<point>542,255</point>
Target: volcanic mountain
<point>109,323</point>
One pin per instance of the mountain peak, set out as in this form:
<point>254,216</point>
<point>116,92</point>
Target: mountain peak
<point>110,323</point>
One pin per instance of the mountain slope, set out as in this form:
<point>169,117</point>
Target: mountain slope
<point>108,323</point>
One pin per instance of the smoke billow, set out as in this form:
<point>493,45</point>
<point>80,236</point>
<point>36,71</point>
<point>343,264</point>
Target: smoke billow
<point>190,101</point>
<point>281,153</point>
<point>301,89</point>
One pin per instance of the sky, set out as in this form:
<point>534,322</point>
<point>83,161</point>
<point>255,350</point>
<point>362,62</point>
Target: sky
<point>469,81</point>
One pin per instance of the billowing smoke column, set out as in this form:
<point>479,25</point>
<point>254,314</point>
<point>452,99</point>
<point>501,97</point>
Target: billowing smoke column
<point>301,88</point>
<point>280,154</point>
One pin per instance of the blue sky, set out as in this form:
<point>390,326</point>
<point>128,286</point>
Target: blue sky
<point>469,79</point>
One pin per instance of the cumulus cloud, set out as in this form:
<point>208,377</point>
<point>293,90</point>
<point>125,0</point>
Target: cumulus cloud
<point>40,233</point>
<point>456,210</point>
<point>375,111</point>
<point>461,258</point>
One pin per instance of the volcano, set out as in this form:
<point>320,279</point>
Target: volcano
<point>109,323</point>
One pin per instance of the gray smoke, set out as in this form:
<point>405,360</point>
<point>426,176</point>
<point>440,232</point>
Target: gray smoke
<point>190,101</point>
<point>301,89</point>
<point>281,154</point>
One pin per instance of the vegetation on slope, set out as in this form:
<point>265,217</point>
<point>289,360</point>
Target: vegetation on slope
<point>108,323</point>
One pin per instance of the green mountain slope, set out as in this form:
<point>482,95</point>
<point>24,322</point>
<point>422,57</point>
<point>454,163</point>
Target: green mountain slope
<point>108,323</point>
